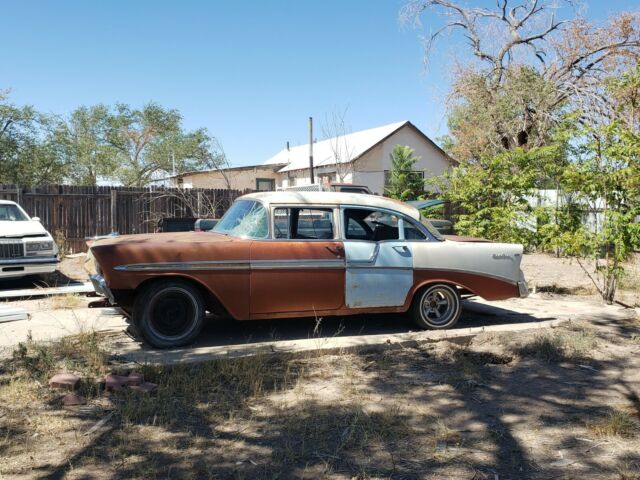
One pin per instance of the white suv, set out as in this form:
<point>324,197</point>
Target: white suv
<point>26,248</point>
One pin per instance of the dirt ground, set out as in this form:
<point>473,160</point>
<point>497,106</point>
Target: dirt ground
<point>545,272</point>
<point>563,404</point>
<point>560,403</point>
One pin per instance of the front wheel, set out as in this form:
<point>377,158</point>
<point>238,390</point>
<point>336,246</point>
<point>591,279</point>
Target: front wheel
<point>437,307</point>
<point>169,313</point>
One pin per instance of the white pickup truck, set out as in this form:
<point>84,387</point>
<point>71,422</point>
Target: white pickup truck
<point>26,248</point>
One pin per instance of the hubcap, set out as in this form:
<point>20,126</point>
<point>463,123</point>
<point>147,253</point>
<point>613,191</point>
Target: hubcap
<point>438,306</point>
<point>172,313</point>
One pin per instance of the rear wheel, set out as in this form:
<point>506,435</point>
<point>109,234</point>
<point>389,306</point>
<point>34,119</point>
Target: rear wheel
<point>437,307</point>
<point>169,313</point>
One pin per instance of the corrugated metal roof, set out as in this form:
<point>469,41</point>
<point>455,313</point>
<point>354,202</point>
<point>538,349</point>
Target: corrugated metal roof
<point>348,148</point>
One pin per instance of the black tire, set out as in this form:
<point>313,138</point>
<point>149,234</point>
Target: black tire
<point>437,307</point>
<point>169,313</point>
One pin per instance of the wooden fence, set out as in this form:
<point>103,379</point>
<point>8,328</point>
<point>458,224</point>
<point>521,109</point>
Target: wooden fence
<point>73,213</point>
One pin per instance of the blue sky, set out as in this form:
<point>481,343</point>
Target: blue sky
<point>251,72</point>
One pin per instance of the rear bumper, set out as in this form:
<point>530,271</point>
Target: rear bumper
<point>100,286</point>
<point>19,267</point>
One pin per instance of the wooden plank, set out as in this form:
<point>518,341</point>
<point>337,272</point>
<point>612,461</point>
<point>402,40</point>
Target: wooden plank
<point>85,287</point>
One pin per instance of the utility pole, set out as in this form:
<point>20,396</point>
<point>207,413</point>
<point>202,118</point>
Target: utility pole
<point>311,148</point>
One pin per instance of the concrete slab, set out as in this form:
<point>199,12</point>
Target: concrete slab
<point>132,352</point>
<point>13,314</point>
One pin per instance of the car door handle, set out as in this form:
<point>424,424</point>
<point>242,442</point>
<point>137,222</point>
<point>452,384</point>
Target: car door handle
<point>401,249</point>
<point>338,250</point>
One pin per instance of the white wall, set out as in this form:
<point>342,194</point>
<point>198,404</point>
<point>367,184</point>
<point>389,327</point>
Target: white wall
<point>369,169</point>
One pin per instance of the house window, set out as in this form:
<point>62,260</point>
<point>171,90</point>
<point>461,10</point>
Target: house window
<point>265,184</point>
<point>387,176</point>
<point>325,178</point>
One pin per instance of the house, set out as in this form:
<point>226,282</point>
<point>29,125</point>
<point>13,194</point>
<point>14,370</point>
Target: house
<point>361,157</point>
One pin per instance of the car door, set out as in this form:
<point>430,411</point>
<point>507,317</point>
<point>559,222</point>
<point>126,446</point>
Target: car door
<point>379,262</point>
<point>301,269</point>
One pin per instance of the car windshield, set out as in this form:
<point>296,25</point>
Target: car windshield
<point>432,230</point>
<point>245,218</point>
<point>11,213</point>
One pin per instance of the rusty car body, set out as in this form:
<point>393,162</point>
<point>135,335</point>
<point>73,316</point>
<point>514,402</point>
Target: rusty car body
<point>296,254</point>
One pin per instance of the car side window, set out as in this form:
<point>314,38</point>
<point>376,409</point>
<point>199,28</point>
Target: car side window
<point>411,232</point>
<point>372,225</point>
<point>303,223</point>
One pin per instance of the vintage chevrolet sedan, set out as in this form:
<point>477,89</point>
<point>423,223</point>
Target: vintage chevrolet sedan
<point>297,254</point>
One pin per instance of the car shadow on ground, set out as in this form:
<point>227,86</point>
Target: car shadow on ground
<point>229,332</point>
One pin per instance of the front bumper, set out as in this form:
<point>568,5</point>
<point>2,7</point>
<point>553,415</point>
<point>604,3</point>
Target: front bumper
<point>100,286</point>
<point>18,267</point>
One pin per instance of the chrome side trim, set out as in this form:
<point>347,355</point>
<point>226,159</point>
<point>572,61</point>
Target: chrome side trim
<point>355,265</point>
<point>294,264</point>
<point>471,272</point>
<point>200,265</point>
<point>289,264</point>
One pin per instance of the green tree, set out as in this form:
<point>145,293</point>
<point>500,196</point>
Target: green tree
<point>29,154</point>
<point>404,182</point>
<point>604,178</point>
<point>151,140</point>
<point>496,194</point>
<point>83,142</point>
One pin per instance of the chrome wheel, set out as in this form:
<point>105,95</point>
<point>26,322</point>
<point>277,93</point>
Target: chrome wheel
<point>438,306</point>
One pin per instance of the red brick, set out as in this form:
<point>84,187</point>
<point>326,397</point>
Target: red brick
<point>64,380</point>
<point>134,378</point>
<point>115,383</point>
<point>71,399</point>
<point>144,387</point>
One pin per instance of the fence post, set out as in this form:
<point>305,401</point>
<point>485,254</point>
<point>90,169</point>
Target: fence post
<point>19,196</point>
<point>199,214</point>
<point>114,200</point>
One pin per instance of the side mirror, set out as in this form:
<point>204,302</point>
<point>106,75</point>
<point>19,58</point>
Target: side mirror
<point>35,219</point>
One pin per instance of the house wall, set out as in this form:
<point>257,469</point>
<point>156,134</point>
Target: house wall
<point>369,169</point>
<point>239,179</point>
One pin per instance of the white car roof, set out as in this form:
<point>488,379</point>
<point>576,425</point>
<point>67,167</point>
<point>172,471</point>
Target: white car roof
<point>333,198</point>
<point>7,202</point>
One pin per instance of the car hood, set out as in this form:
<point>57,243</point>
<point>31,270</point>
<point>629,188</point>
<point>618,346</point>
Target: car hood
<point>21,229</point>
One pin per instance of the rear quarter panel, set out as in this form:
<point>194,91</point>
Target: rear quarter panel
<point>490,270</point>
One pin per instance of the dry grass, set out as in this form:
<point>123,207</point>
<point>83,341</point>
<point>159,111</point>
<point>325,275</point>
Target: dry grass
<point>66,302</point>
<point>439,410</point>
<point>628,471</point>
<point>558,346</point>
<point>617,423</point>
